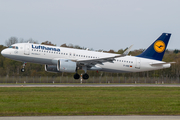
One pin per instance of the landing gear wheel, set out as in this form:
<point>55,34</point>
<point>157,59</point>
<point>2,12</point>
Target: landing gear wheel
<point>76,76</point>
<point>24,64</point>
<point>85,76</point>
<point>22,70</point>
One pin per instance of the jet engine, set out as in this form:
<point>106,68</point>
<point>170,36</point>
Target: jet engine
<point>63,65</point>
<point>51,68</point>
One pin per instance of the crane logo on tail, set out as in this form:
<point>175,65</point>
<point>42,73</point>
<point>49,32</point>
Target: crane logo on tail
<point>159,46</point>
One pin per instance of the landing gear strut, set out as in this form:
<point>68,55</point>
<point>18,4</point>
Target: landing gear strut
<point>24,64</point>
<point>85,75</point>
<point>76,76</point>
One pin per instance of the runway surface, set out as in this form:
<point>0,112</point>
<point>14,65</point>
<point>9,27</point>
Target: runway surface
<point>94,118</point>
<point>89,85</point>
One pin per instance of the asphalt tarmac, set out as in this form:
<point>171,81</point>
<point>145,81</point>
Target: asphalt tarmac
<point>94,118</point>
<point>89,85</point>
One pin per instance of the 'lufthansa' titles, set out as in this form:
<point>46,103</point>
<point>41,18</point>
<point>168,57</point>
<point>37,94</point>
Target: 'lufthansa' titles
<point>46,48</point>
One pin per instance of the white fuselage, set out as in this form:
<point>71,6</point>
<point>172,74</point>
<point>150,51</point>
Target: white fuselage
<point>43,54</point>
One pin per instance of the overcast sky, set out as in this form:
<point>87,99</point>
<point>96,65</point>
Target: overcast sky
<point>97,24</point>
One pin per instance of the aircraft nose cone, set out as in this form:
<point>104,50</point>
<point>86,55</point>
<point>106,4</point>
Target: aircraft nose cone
<point>2,52</point>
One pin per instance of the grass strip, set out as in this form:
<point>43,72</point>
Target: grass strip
<point>38,101</point>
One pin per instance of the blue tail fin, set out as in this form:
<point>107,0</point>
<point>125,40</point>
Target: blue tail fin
<point>157,49</point>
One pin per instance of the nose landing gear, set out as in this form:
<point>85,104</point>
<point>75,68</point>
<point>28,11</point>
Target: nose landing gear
<point>23,69</point>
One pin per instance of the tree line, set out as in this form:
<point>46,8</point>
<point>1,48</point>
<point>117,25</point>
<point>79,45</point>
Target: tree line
<point>10,67</point>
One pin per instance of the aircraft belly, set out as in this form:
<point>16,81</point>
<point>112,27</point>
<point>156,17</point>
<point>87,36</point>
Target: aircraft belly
<point>113,70</point>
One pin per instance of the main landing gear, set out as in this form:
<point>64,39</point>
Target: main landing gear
<point>85,76</point>
<point>76,76</point>
<point>24,64</point>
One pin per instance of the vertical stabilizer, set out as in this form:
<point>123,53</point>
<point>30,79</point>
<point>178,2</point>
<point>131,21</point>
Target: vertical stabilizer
<point>157,49</point>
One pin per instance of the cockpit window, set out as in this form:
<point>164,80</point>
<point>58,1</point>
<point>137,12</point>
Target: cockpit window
<point>14,47</point>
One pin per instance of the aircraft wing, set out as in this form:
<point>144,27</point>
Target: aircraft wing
<point>92,62</point>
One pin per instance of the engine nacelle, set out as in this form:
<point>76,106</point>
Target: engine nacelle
<point>51,68</point>
<point>63,65</point>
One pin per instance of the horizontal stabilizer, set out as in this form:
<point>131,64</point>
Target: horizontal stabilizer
<point>161,64</point>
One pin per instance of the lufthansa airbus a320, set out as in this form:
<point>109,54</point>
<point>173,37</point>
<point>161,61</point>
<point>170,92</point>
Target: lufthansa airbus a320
<point>60,59</point>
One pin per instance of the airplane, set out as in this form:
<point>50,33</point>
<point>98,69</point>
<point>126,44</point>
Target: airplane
<point>61,59</point>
